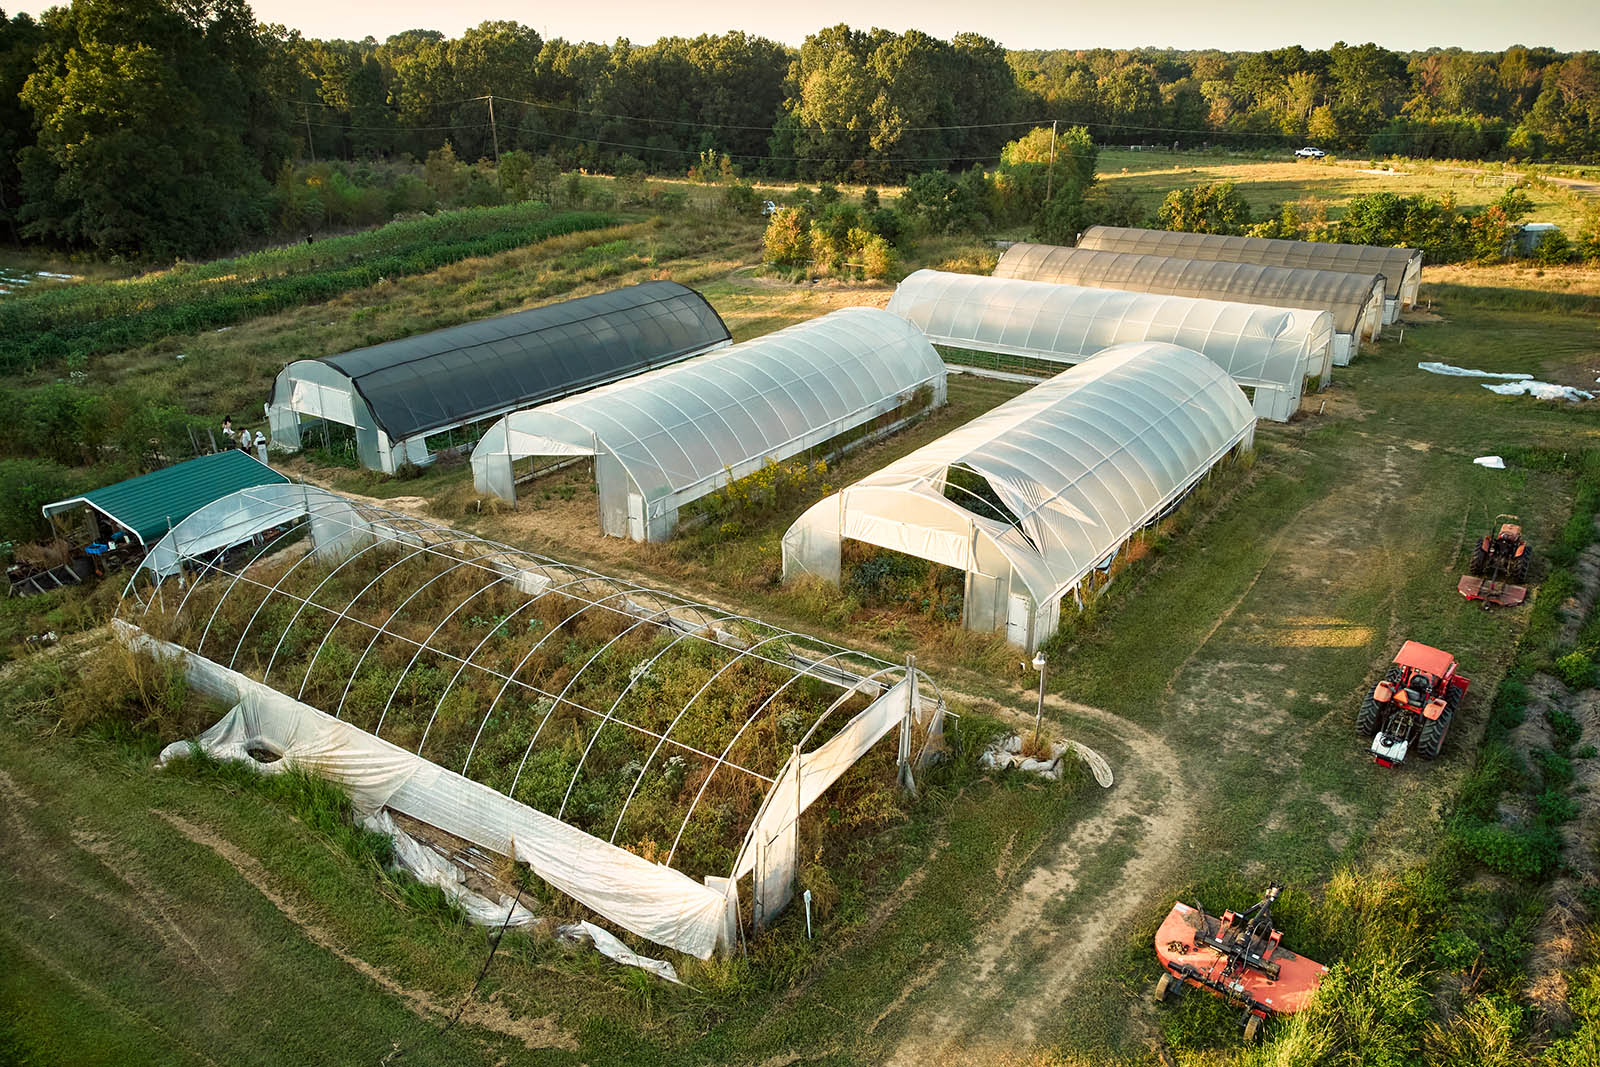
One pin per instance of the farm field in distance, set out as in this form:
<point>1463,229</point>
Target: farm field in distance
<point>160,916</point>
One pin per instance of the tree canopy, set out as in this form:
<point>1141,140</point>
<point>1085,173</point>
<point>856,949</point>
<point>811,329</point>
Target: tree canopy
<point>157,128</point>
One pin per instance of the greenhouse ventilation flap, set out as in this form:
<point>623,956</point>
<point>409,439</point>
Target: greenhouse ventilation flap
<point>1270,351</point>
<point>623,742</point>
<point>1033,497</point>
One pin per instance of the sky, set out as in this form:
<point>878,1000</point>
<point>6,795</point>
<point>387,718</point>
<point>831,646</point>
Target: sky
<point>1489,25</point>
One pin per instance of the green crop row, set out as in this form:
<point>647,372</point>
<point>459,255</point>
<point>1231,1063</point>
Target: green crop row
<point>84,320</point>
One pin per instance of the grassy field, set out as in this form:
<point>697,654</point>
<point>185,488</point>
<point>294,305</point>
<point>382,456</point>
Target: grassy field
<point>1150,175</point>
<point>199,916</point>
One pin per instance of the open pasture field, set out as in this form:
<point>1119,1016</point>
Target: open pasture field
<point>198,916</point>
<point>1151,175</point>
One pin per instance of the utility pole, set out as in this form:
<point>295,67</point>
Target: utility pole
<point>1049,176</point>
<point>310,145</point>
<point>495,132</point>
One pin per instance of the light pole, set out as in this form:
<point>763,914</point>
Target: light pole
<point>1038,717</point>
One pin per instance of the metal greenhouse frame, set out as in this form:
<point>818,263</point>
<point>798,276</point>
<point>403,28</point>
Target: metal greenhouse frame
<point>1354,300</point>
<point>641,752</point>
<point>397,394</point>
<point>1270,352</point>
<point>1400,267</point>
<point>1034,499</point>
<point>664,439</point>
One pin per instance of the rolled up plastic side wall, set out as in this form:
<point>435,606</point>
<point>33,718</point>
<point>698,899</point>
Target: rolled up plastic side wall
<point>648,899</point>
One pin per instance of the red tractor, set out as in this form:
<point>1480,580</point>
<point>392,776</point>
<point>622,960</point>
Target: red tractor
<point>1412,705</point>
<point>1238,958</point>
<point>1499,559</point>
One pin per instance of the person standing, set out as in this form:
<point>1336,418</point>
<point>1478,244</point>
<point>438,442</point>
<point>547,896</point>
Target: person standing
<point>261,447</point>
<point>227,430</point>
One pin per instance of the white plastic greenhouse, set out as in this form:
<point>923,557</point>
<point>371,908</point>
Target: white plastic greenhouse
<point>1035,498</point>
<point>1354,300</point>
<point>668,437</point>
<point>641,753</point>
<point>1400,267</point>
<point>1270,352</point>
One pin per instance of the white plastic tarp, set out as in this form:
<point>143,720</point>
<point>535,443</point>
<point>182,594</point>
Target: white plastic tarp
<point>649,899</point>
<point>823,766</point>
<point>230,521</point>
<point>609,946</point>
<point>430,868</point>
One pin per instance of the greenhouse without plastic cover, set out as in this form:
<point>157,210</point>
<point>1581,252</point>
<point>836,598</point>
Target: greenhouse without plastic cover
<point>642,753</point>
<point>398,394</point>
<point>1400,267</point>
<point>1270,352</point>
<point>1354,300</point>
<point>1034,499</point>
<point>664,439</point>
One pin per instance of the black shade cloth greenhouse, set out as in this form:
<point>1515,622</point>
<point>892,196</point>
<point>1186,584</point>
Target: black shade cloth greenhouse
<point>455,375</point>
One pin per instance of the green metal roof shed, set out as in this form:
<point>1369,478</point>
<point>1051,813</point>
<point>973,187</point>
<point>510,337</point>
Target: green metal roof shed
<point>151,504</point>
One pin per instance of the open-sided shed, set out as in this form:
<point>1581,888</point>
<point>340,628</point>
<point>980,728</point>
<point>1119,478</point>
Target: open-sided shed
<point>1270,352</point>
<point>1354,300</point>
<point>1039,494</point>
<point>399,393</point>
<point>664,439</point>
<point>1401,267</point>
<point>148,506</point>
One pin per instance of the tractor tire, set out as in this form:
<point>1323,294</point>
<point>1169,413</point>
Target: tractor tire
<point>1519,569</point>
<point>1480,561</point>
<point>1430,739</point>
<point>1163,989</point>
<point>1368,717</point>
<point>1252,1029</point>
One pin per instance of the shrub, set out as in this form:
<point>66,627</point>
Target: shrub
<point>1576,669</point>
<point>1215,207</point>
<point>788,239</point>
<point>26,485</point>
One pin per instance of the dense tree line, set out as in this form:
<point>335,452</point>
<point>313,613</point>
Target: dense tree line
<point>158,128</point>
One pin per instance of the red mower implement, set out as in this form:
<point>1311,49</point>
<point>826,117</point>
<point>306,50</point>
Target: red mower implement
<point>1498,560</point>
<point>1238,958</point>
<point>1412,705</point>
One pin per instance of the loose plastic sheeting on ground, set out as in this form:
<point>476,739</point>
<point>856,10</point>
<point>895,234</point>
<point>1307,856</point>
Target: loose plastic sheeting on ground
<point>472,677</point>
<point>1401,267</point>
<point>1354,300</point>
<point>663,439</point>
<point>1435,367</point>
<point>1271,351</point>
<point>396,393</point>
<point>430,868</point>
<point>1069,470</point>
<point>1541,391</point>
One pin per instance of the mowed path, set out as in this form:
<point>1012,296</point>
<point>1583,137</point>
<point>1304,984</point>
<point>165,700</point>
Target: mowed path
<point>1247,751</point>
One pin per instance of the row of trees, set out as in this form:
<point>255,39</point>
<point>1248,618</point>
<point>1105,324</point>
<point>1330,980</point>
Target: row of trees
<point>1442,229</point>
<point>158,128</point>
